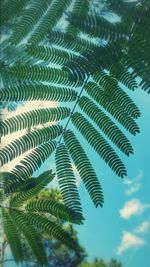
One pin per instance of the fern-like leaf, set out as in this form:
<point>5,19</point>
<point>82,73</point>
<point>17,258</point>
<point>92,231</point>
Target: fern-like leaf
<point>105,124</point>
<point>56,209</point>
<point>66,179</point>
<point>31,235</point>
<point>97,26</point>
<point>84,168</point>
<point>41,182</point>
<point>29,141</point>
<point>99,144</point>
<point>112,107</point>
<point>52,229</point>
<point>32,91</point>
<point>12,235</point>
<point>73,43</point>
<point>42,73</point>
<point>33,118</point>
<point>29,19</point>
<point>50,19</point>
<point>110,86</point>
<point>49,54</point>
<point>80,8</point>
<point>34,160</point>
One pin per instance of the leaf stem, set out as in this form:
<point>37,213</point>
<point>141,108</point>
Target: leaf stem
<point>71,113</point>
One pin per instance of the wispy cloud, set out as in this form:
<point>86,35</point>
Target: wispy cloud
<point>133,207</point>
<point>133,185</point>
<point>129,240</point>
<point>143,227</point>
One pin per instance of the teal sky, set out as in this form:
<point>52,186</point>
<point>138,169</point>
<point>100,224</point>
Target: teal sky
<point>121,229</point>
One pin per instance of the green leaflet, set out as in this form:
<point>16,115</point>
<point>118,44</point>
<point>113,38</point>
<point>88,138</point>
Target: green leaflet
<point>106,124</point>
<point>49,54</point>
<point>112,107</point>
<point>122,74</point>
<point>12,235</point>
<point>33,118</point>
<point>42,73</point>
<point>84,168</point>
<point>32,91</point>
<point>29,141</point>
<point>66,179</point>
<point>10,182</point>
<point>80,8</point>
<point>111,88</point>
<point>99,144</point>
<point>74,43</point>
<point>34,160</point>
<point>41,182</point>
<point>50,19</point>
<point>29,19</point>
<point>97,26</point>
<point>52,229</point>
<point>31,235</point>
<point>56,209</point>
<point>11,9</point>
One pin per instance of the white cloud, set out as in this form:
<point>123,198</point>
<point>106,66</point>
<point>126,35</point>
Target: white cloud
<point>129,240</point>
<point>134,188</point>
<point>133,185</point>
<point>133,207</point>
<point>143,227</point>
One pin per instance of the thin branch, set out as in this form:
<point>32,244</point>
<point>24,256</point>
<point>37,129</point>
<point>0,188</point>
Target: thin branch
<point>71,113</point>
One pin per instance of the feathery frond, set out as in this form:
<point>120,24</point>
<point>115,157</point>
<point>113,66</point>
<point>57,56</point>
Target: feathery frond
<point>32,91</point>
<point>34,160</point>
<point>105,124</point>
<point>12,235</point>
<point>52,207</point>
<point>99,144</point>
<point>51,229</point>
<point>41,182</point>
<point>33,118</point>
<point>31,235</point>
<point>29,141</point>
<point>66,179</point>
<point>84,168</point>
<point>112,107</point>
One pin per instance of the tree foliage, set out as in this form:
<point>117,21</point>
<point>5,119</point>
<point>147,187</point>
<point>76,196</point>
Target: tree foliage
<point>88,66</point>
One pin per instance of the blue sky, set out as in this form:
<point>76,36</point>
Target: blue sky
<point>121,228</point>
